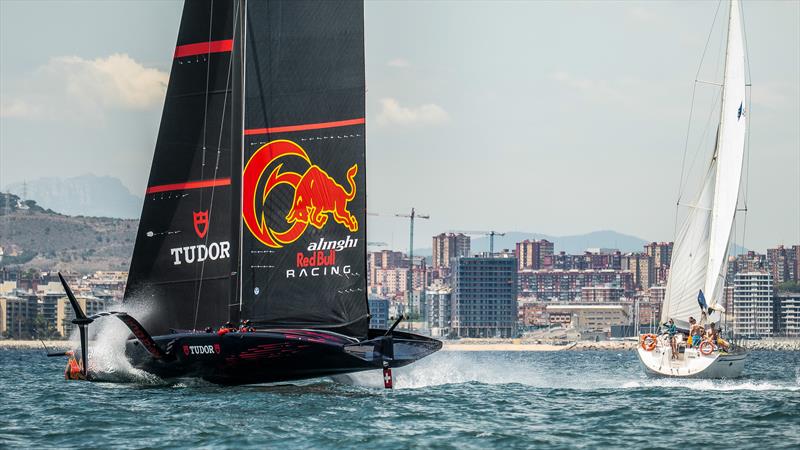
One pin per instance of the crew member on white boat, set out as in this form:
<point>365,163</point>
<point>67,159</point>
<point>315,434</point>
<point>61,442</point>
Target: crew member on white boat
<point>672,330</point>
<point>695,333</point>
<point>714,337</point>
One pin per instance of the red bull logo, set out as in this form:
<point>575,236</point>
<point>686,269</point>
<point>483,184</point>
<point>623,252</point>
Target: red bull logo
<point>318,197</point>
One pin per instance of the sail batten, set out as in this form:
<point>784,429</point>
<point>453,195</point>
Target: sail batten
<point>701,248</point>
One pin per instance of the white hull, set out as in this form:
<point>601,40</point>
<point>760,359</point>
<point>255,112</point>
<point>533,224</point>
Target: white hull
<point>691,363</point>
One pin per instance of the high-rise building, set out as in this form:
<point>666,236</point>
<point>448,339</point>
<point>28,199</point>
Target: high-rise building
<point>752,304</point>
<point>484,297</point>
<point>384,259</point>
<point>787,314</point>
<point>747,262</point>
<point>438,309</point>
<point>782,264</point>
<point>661,252</point>
<point>379,313</point>
<point>642,267</point>
<point>17,315</point>
<point>533,255</point>
<point>447,246</point>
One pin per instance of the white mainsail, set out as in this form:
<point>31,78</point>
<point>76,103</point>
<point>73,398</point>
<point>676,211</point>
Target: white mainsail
<point>699,259</point>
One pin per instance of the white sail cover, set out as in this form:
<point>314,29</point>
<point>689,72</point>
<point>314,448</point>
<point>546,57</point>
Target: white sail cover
<point>709,232</point>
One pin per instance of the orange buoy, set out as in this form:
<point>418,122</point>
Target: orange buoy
<point>706,347</point>
<point>649,342</point>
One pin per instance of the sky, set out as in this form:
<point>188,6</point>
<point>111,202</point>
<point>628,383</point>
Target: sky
<point>551,117</point>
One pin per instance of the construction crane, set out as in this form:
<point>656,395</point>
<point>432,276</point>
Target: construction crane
<point>376,244</point>
<point>410,275</point>
<point>491,235</point>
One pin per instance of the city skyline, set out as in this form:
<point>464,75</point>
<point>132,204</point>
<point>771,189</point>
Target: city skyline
<point>585,129</point>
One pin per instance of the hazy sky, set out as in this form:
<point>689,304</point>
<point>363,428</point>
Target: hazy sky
<point>550,117</point>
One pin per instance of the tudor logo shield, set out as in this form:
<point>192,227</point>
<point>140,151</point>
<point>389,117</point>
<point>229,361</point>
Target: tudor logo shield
<point>200,219</point>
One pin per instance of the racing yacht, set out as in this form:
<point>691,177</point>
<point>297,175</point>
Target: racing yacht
<point>255,210</point>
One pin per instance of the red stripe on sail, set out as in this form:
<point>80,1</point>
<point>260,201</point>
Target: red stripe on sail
<point>189,185</point>
<point>201,48</point>
<point>304,127</point>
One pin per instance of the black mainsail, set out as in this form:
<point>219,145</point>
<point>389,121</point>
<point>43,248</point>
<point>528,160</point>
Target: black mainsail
<point>185,256</point>
<point>256,204</point>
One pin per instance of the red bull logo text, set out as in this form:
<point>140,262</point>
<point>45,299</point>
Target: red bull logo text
<point>317,196</point>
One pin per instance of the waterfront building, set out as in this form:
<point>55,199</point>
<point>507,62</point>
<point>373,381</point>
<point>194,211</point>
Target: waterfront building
<point>533,314</point>
<point>17,315</point>
<point>786,314</point>
<point>533,255</point>
<point>484,298</point>
<point>598,318</point>
<point>65,313</point>
<point>438,308</point>
<point>379,312</point>
<point>753,304</point>
<point>447,246</point>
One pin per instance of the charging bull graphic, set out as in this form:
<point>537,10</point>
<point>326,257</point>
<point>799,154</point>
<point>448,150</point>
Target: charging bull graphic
<point>317,195</point>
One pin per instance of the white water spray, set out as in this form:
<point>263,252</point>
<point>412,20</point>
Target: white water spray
<point>107,338</point>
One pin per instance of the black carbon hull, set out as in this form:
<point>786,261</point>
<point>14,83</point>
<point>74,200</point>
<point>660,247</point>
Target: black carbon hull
<point>237,358</point>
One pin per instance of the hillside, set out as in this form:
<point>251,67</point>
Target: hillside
<point>32,236</point>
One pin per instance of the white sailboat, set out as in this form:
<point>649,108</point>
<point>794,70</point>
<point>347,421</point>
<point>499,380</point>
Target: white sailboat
<point>699,259</point>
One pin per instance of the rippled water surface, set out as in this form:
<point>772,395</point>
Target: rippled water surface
<point>451,400</point>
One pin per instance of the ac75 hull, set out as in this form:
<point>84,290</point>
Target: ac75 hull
<point>276,355</point>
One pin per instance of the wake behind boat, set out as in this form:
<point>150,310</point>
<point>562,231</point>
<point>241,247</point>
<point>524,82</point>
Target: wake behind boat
<point>692,347</point>
<point>255,211</point>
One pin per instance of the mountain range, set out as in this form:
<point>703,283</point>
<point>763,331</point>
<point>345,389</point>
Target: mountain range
<point>85,195</point>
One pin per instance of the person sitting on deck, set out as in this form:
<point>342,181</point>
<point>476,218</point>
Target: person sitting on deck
<point>246,327</point>
<point>225,329</point>
<point>714,337</point>
<point>672,330</point>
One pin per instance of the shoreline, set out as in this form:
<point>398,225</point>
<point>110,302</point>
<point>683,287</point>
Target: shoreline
<point>481,345</point>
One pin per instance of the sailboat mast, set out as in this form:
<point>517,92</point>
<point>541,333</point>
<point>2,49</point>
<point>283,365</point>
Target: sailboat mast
<point>243,59</point>
<point>237,153</point>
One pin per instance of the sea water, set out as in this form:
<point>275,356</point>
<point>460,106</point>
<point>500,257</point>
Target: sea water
<point>451,399</point>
